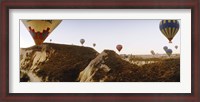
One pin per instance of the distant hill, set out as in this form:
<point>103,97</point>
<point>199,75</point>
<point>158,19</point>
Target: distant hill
<point>163,56</point>
<point>69,63</point>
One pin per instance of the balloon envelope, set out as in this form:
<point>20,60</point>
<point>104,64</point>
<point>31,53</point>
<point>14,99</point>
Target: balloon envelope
<point>40,29</point>
<point>169,28</point>
<point>94,44</point>
<point>169,52</point>
<point>152,52</point>
<point>82,41</point>
<point>165,48</point>
<point>176,47</point>
<point>119,47</point>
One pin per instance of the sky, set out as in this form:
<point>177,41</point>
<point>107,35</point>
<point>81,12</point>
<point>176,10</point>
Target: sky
<point>137,37</point>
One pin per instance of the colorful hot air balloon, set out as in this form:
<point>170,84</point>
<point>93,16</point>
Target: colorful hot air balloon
<point>152,52</point>
<point>169,52</point>
<point>119,47</point>
<point>94,44</point>
<point>165,48</point>
<point>40,29</point>
<point>176,46</point>
<point>82,41</point>
<point>169,28</point>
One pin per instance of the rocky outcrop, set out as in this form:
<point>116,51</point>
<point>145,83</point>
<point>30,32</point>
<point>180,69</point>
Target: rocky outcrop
<point>108,66</point>
<point>55,62</point>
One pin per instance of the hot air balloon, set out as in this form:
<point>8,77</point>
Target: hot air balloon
<point>40,29</point>
<point>82,41</point>
<point>94,44</point>
<point>169,28</point>
<point>169,52</point>
<point>119,47</point>
<point>152,52</point>
<point>176,46</point>
<point>165,48</point>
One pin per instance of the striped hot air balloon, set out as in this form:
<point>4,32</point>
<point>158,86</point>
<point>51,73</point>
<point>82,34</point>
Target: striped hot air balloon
<point>169,28</point>
<point>40,29</point>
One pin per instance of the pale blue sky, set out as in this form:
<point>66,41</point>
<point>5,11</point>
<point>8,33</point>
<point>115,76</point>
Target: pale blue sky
<point>136,36</point>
